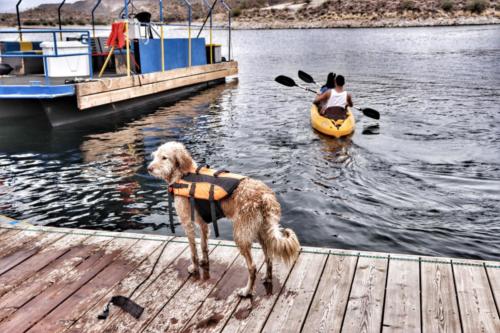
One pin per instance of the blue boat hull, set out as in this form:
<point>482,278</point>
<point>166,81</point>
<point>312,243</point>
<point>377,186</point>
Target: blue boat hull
<point>63,111</point>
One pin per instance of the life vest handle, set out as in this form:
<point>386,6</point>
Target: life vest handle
<point>219,172</point>
<point>198,169</point>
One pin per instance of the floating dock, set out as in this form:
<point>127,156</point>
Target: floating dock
<point>66,103</point>
<point>59,280</point>
<point>70,76</point>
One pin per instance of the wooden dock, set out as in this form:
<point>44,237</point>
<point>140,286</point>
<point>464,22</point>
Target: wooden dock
<point>59,280</point>
<point>81,102</point>
<point>109,90</point>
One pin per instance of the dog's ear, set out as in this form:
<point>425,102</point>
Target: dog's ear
<point>183,159</point>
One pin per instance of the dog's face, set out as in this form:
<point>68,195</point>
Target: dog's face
<point>170,162</point>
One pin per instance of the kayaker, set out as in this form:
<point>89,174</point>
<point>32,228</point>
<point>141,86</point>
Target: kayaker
<point>330,83</point>
<point>334,101</point>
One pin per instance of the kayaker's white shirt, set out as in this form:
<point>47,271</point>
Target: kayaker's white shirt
<point>337,99</point>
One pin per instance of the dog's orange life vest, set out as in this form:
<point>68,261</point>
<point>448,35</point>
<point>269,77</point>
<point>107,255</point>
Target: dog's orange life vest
<point>205,188</point>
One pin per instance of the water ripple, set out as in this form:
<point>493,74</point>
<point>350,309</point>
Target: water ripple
<point>425,179</point>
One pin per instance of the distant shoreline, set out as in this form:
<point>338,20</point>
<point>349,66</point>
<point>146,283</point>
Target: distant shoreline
<point>260,23</point>
<point>285,14</point>
<point>359,23</point>
<point>243,27</point>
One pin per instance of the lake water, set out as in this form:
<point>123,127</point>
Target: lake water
<point>426,180</point>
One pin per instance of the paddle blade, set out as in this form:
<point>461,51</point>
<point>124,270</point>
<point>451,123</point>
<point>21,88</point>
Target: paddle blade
<point>306,77</point>
<point>371,113</point>
<point>285,80</point>
<point>371,130</point>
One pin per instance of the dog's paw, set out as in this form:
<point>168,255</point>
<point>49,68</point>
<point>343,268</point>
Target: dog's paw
<point>244,292</point>
<point>193,269</point>
<point>204,263</point>
<point>266,279</point>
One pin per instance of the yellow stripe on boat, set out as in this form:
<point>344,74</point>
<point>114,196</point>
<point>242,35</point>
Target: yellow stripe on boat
<point>326,126</point>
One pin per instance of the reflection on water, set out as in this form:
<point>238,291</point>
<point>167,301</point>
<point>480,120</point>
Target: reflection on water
<point>424,179</point>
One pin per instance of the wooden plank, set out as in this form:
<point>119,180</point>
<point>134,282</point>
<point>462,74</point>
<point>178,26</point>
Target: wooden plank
<point>493,270</point>
<point>364,309</point>
<point>4,231</point>
<point>13,259</point>
<point>53,273</point>
<point>220,304</point>
<point>439,303</point>
<point>22,272</point>
<point>8,232</point>
<point>251,313</point>
<point>89,101</point>
<point>181,307</point>
<point>33,311</point>
<point>156,295</point>
<point>88,321</point>
<point>18,241</point>
<point>402,299</point>
<point>64,286</point>
<point>4,237</point>
<point>115,83</point>
<point>329,304</point>
<point>290,310</point>
<point>63,316</point>
<point>475,299</point>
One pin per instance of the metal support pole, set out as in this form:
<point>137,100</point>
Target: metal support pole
<point>55,44</point>
<point>189,38</point>
<point>93,18</point>
<point>162,45</point>
<point>91,68</point>
<point>162,49</point>
<point>125,8</point>
<point>59,18</point>
<point>161,11</point>
<point>229,39</point>
<point>19,20</point>
<point>127,43</point>
<point>211,44</point>
<point>208,16</point>
<point>228,8</point>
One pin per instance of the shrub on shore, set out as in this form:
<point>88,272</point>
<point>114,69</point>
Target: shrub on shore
<point>477,6</point>
<point>408,5</point>
<point>236,12</point>
<point>447,5</point>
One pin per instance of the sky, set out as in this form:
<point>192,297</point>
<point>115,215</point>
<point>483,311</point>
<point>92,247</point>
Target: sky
<point>9,6</point>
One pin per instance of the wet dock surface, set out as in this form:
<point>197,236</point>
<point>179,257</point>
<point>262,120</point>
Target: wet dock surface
<point>59,280</point>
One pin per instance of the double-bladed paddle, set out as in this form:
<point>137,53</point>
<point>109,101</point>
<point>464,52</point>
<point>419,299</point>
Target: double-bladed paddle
<point>371,113</point>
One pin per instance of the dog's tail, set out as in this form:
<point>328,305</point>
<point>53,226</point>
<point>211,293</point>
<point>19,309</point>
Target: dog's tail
<point>282,243</point>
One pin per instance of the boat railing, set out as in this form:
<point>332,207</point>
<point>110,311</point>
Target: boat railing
<point>83,37</point>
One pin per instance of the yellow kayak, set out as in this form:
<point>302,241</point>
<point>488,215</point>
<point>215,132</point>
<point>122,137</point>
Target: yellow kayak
<point>337,129</point>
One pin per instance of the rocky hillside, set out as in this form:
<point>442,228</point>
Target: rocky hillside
<point>79,13</point>
<point>369,13</point>
<point>256,14</point>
